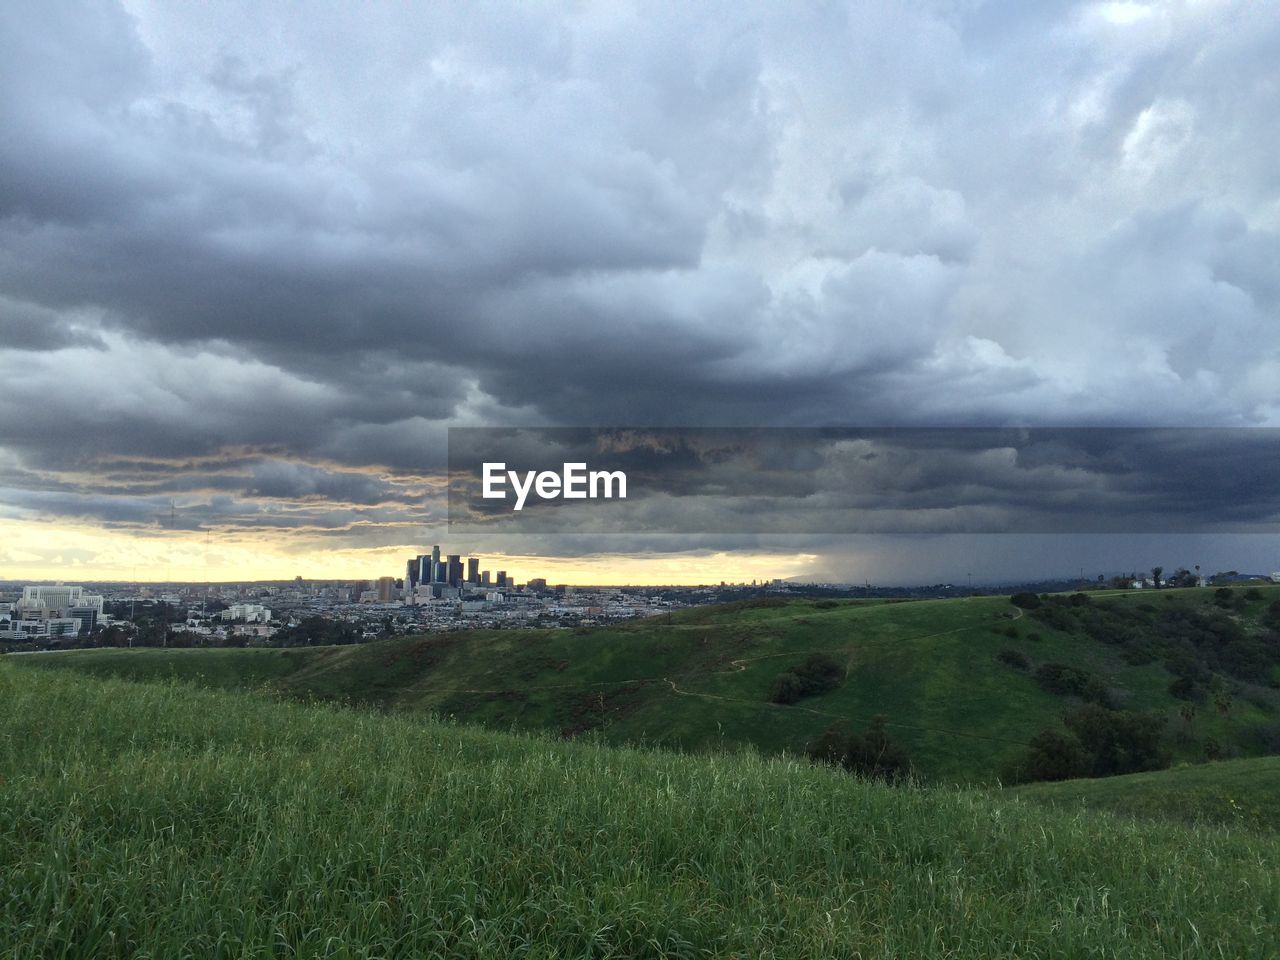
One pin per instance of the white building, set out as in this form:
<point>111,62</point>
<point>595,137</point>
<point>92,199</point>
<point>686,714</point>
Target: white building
<point>46,629</point>
<point>247,613</point>
<point>57,607</point>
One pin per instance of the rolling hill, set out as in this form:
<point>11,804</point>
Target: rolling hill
<point>965,684</point>
<point>156,819</point>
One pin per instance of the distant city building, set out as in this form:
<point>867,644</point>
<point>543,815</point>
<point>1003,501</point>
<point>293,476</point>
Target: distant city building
<point>538,583</point>
<point>247,613</point>
<point>253,630</point>
<point>386,589</point>
<point>453,571</point>
<point>64,611</point>
<point>47,629</point>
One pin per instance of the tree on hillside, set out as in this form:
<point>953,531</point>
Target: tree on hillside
<point>872,753</point>
<point>1155,576</point>
<point>1097,742</point>
<point>1118,741</point>
<point>1051,755</point>
<point>817,675</point>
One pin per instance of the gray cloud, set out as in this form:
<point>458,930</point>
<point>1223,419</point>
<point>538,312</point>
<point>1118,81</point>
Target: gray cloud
<point>233,234</point>
<point>895,480</point>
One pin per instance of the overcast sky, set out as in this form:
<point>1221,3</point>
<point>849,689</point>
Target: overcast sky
<point>255,259</point>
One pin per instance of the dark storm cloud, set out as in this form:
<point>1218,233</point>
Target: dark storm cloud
<point>232,235</point>
<point>878,481</point>
<point>27,326</point>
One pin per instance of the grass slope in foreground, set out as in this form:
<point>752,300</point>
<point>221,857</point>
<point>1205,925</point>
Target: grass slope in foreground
<point>701,679</point>
<point>159,820</point>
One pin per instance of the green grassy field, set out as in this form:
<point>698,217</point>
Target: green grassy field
<point>160,820</point>
<point>699,680</point>
<point>1233,793</point>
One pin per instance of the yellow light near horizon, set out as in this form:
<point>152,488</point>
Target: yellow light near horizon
<point>41,550</point>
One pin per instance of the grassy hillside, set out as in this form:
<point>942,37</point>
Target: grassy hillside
<point>1233,793</point>
<point>956,678</point>
<point>158,820</point>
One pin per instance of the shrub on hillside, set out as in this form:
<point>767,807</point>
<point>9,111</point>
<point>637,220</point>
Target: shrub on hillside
<point>1184,688</point>
<point>1051,755</point>
<point>1014,658</point>
<point>1272,617</point>
<point>1027,601</point>
<point>786,689</point>
<point>1068,681</point>
<point>819,674</point>
<point>1118,741</point>
<point>1097,742</point>
<point>1056,617</point>
<point>872,753</point>
<point>1267,736</point>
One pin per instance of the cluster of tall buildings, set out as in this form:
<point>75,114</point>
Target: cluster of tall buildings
<point>438,574</point>
<point>50,611</point>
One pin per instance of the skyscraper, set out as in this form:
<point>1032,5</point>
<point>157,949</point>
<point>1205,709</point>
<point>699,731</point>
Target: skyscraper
<point>455,570</point>
<point>435,562</point>
<point>473,570</point>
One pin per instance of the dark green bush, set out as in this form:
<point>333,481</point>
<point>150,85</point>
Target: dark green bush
<point>1014,658</point>
<point>1098,742</point>
<point>872,753</point>
<point>1118,741</point>
<point>817,675</point>
<point>1051,755</point>
<point>1068,681</point>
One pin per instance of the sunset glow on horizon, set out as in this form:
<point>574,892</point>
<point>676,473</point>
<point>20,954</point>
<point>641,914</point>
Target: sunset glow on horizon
<point>36,550</point>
